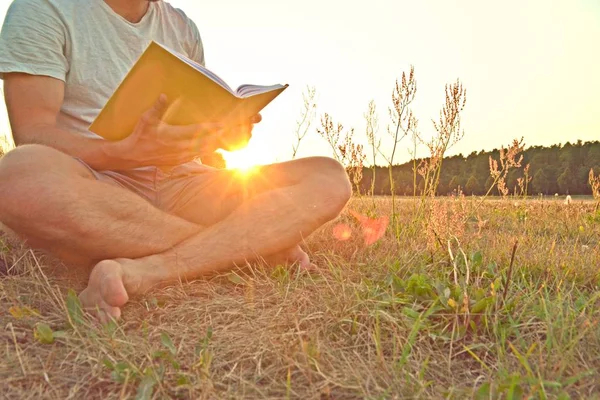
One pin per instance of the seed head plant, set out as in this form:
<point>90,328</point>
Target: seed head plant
<point>402,122</point>
<point>372,121</point>
<point>509,158</point>
<point>353,157</point>
<point>307,116</point>
<point>345,150</point>
<point>331,132</point>
<point>447,220</point>
<point>448,133</point>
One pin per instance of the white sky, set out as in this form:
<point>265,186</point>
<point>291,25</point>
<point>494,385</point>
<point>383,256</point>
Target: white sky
<point>530,67</point>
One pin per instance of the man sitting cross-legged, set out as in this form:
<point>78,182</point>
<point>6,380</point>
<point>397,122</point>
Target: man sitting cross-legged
<point>140,209</point>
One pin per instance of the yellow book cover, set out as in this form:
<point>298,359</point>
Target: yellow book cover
<point>195,95</point>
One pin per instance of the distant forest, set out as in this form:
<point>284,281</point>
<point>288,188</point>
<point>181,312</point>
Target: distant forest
<point>562,169</point>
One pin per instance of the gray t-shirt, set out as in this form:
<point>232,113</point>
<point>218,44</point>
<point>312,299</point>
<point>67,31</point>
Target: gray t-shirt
<point>88,46</point>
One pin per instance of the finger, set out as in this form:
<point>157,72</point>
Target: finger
<point>156,112</point>
<point>256,119</point>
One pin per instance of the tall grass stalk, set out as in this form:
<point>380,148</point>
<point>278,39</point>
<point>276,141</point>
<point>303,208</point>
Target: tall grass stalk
<point>402,123</point>
<point>372,121</point>
<point>594,182</point>
<point>509,158</point>
<point>307,116</point>
<point>447,133</point>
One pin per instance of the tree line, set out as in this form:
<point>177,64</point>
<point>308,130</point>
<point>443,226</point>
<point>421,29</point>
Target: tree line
<point>562,169</point>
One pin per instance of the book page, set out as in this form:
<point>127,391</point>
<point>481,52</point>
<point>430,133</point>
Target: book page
<point>245,91</point>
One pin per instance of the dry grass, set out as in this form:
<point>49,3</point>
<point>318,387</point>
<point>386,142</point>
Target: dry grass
<point>384,321</point>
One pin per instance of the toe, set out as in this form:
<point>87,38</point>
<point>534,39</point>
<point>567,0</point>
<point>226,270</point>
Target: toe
<point>105,312</point>
<point>105,294</point>
<point>112,313</point>
<point>309,267</point>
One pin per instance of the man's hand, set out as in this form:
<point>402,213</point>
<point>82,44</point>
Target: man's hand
<point>155,143</point>
<point>34,104</point>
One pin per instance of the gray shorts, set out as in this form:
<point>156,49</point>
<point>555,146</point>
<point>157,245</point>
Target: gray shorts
<point>193,191</point>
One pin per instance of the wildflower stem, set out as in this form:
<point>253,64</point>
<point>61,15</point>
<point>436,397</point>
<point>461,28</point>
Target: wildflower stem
<point>510,271</point>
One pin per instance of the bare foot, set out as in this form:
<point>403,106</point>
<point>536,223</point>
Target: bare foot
<point>293,256</point>
<point>105,292</point>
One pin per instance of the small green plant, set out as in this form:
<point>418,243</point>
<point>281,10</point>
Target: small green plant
<point>43,333</point>
<point>74,309</point>
<point>204,355</point>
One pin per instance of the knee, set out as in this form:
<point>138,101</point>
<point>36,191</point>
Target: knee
<point>26,159</point>
<point>332,185</point>
<point>20,165</point>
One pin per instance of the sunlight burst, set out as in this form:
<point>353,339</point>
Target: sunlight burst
<point>246,162</point>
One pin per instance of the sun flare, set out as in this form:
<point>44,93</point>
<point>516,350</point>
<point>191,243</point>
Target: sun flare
<point>244,161</point>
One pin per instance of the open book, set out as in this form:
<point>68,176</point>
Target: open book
<point>194,94</point>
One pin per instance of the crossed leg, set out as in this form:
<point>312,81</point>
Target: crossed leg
<point>206,198</point>
<point>54,203</point>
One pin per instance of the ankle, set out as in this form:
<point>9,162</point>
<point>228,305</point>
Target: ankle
<point>142,274</point>
<point>133,281</point>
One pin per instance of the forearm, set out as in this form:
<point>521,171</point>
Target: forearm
<point>98,153</point>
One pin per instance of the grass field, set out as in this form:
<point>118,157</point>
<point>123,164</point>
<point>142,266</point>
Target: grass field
<point>404,317</point>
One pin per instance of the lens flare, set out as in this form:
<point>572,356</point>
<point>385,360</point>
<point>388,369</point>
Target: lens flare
<point>342,232</point>
<point>373,229</point>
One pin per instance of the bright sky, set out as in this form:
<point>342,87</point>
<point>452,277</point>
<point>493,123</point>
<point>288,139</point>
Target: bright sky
<point>530,67</point>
